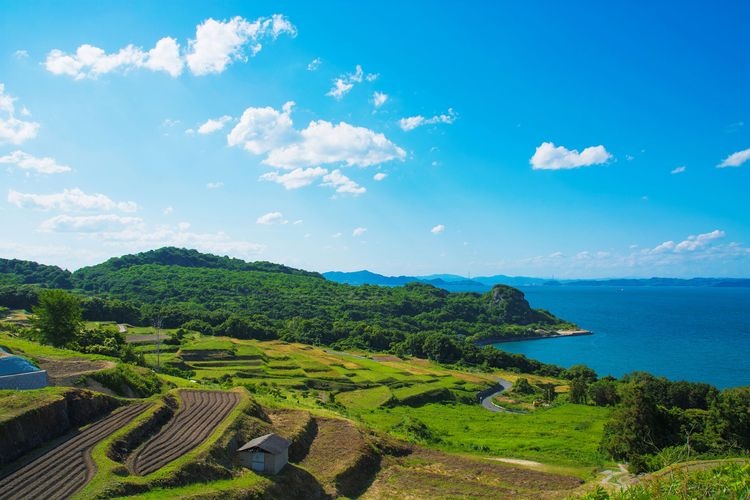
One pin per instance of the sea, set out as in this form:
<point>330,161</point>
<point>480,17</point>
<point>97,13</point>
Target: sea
<point>700,334</point>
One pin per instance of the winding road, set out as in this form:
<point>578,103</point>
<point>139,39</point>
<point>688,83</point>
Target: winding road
<point>487,401</point>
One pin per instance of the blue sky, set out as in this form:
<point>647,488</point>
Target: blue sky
<point>535,138</point>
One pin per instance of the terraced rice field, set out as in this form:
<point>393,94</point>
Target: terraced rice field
<point>65,469</point>
<point>200,414</point>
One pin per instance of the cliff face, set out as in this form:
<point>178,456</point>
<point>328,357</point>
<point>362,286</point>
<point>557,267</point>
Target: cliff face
<point>36,426</point>
<point>508,305</point>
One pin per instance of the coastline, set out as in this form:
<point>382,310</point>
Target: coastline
<point>558,334</point>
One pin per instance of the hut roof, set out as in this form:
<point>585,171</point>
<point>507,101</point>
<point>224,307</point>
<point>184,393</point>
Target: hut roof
<point>272,443</point>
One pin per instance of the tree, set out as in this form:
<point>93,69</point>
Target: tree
<point>578,390</point>
<point>604,392</point>
<point>58,317</point>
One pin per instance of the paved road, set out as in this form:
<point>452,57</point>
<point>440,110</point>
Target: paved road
<point>487,402</point>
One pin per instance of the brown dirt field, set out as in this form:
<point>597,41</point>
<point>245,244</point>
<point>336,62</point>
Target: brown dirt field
<point>340,458</point>
<point>67,467</point>
<point>386,358</point>
<point>298,427</point>
<point>66,370</point>
<point>201,412</point>
<point>432,474</point>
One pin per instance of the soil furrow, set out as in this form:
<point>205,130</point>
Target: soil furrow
<point>66,468</point>
<point>202,412</point>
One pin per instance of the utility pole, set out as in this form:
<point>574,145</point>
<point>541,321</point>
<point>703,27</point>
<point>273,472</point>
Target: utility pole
<point>157,327</point>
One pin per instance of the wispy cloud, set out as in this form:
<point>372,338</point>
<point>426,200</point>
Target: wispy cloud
<point>69,200</point>
<point>412,122</point>
<point>345,83</point>
<point>439,229</point>
<point>678,170</point>
<point>12,129</point>
<point>26,161</point>
<point>214,125</point>
<point>359,231</point>
<point>735,159</point>
<point>314,64</point>
<point>271,218</point>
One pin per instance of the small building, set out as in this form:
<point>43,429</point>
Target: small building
<point>20,373</point>
<point>268,454</point>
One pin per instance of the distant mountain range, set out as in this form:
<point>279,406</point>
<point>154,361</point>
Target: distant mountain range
<point>456,283</point>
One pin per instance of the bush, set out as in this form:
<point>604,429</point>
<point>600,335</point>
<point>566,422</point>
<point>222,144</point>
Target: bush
<point>130,381</point>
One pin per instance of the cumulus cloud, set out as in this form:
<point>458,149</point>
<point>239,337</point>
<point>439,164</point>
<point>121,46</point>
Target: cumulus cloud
<point>342,183</point>
<point>678,170</point>
<point>412,122</point>
<point>550,157</point>
<point>359,231</point>
<point>89,223</point>
<point>314,64</point>
<point>267,131</point>
<point>323,142</point>
<point>216,45</point>
<point>344,83</point>
<point>297,178</point>
<point>12,129</point>
<point>215,185</point>
<point>380,176</point>
<point>69,200</point>
<point>378,99</point>
<point>214,125</point>
<point>26,161</point>
<point>271,218</point>
<point>735,159</point>
<point>438,229</point>
<point>261,130</point>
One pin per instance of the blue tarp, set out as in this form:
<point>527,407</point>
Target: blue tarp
<point>10,365</point>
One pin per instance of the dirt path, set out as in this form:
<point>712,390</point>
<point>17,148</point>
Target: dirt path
<point>487,401</point>
<point>200,414</point>
<point>121,328</point>
<point>66,468</point>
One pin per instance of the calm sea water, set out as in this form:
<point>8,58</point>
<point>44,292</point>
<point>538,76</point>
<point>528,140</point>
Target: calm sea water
<point>683,333</point>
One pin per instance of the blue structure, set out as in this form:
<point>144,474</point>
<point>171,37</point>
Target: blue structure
<point>20,373</point>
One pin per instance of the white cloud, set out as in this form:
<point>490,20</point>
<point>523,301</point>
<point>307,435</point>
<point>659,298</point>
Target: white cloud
<point>183,226</point>
<point>21,54</point>
<point>89,223</point>
<point>413,122</point>
<point>168,210</point>
<point>322,142</point>
<point>438,229</point>
<point>165,56</point>
<point>12,129</point>
<point>314,64</point>
<point>216,45</point>
<point>735,159</point>
<point>342,183</point>
<point>298,221</point>
<point>69,200</point>
<point>214,125</point>
<point>380,176</point>
<point>359,231</point>
<point>344,83</point>
<point>694,242</point>
<point>267,131</point>
<point>336,235</point>
<point>678,170</point>
<point>549,157</point>
<point>28,162</point>
<point>271,218</point>
<point>215,185</point>
<point>295,179</point>
<point>378,99</point>
<point>261,130</point>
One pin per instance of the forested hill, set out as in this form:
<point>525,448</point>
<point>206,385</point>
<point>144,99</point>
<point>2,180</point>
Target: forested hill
<point>14,271</point>
<point>171,256</point>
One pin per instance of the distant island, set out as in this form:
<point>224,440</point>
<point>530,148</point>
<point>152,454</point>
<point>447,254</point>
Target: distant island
<point>456,283</point>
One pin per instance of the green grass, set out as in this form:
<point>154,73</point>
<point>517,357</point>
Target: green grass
<point>14,403</point>
<point>34,350</point>
<point>566,435</point>
<point>365,399</point>
<point>248,482</point>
